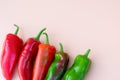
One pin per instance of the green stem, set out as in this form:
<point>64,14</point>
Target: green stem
<point>87,53</point>
<point>39,34</point>
<point>16,32</point>
<point>61,47</point>
<point>47,39</point>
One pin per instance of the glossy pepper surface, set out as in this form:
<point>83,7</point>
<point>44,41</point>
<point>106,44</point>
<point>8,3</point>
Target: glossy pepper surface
<point>27,57</point>
<point>59,65</point>
<point>44,58</point>
<point>79,68</point>
<point>11,50</point>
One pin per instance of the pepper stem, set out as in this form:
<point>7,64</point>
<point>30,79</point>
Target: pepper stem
<point>39,34</point>
<point>61,47</point>
<point>87,53</point>
<point>47,39</point>
<point>16,32</point>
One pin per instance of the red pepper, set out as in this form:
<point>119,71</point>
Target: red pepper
<point>27,58</point>
<point>44,58</point>
<point>11,50</point>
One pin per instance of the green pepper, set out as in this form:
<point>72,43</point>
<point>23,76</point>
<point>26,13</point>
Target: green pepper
<point>79,68</point>
<point>59,65</point>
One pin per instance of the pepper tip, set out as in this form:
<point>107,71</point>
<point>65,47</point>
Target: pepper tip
<point>87,52</point>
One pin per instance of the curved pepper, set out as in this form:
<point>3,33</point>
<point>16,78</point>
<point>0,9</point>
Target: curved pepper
<point>59,65</point>
<point>44,58</point>
<point>79,68</point>
<point>11,50</point>
<point>27,57</point>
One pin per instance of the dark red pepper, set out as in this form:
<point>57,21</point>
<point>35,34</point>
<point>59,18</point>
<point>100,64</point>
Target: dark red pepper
<point>28,55</point>
<point>44,58</point>
<point>11,50</point>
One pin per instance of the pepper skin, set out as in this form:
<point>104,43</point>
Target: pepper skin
<point>79,68</point>
<point>44,59</point>
<point>59,65</point>
<point>27,57</point>
<point>11,51</point>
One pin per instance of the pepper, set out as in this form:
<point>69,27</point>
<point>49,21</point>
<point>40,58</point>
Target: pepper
<point>79,68</point>
<point>45,56</point>
<point>27,57</point>
<point>11,50</point>
<point>59,65</point>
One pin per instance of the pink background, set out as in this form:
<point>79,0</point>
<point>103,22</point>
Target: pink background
<point>78,24</point>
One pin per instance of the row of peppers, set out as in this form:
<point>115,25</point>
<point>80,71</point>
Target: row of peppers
<point>38,61</point>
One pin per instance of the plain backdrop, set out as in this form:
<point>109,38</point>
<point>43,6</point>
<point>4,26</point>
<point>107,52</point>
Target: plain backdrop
<point>77,24</point>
